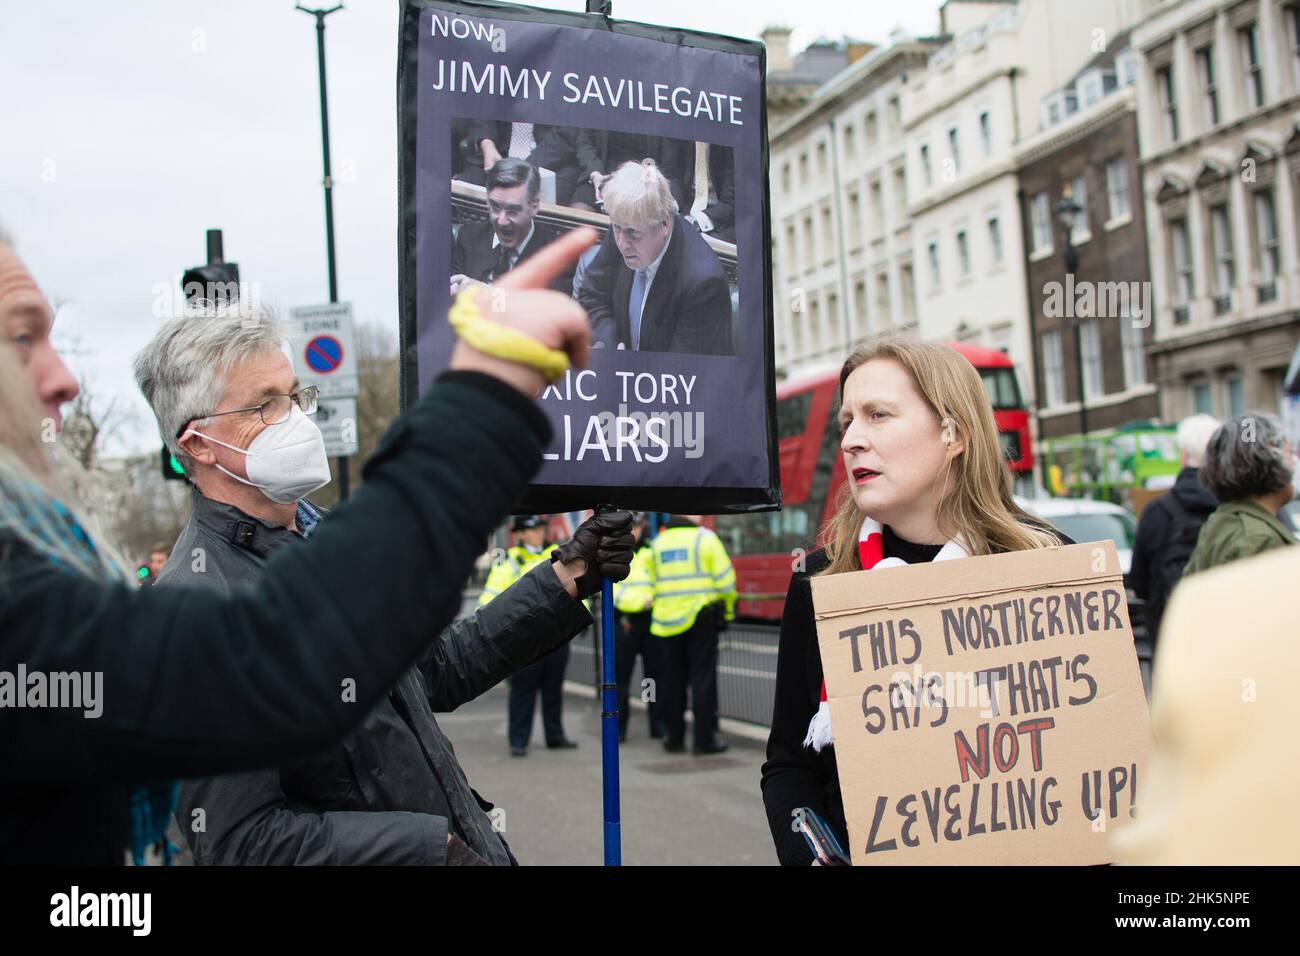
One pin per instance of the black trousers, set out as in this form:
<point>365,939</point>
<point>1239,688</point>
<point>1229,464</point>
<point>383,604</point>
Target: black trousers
<point>632,637</point>
<point>692,658</point>
<point>547,676</point>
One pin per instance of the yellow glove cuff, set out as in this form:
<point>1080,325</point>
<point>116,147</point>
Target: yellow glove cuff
<point>499,341</point>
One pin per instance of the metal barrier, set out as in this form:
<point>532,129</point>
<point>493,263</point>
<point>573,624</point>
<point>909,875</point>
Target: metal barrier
<point>746,669</point>
<point>747,665</point>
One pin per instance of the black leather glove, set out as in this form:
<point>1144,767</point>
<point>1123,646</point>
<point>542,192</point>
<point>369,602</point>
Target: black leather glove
<point>605,542</point>
<point>720,612</point>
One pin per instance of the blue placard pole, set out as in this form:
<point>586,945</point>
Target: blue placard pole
<point>609,728</point>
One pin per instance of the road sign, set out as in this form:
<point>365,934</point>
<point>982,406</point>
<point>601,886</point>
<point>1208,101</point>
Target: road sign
<point>337,420</point>
<point>323,346</point>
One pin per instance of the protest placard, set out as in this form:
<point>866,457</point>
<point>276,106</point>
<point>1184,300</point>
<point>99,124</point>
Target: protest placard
<point>985,710</point>
<point>515,123</point>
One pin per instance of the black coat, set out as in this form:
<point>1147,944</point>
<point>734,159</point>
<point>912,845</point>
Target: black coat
<point>688,308</point>
<point>472,254</point>
<point>796,776</point>
<point>1148,576</point>
<point>196,684</point>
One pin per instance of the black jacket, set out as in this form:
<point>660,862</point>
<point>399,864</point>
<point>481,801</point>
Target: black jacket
<point>794,775</point>
<point>195,684</point>
<point>688,308</point>
<point>472,254</point>
<point>391,790</point>
<point>556,149</point>
<point>1147,573</point>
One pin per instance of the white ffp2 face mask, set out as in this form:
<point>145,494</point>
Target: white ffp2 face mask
<point>285,461</point>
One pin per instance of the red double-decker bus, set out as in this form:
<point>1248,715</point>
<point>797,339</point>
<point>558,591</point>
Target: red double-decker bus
<point>764,547</point>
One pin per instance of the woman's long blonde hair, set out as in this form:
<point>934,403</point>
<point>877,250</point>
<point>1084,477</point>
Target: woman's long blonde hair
<point>979,505</point>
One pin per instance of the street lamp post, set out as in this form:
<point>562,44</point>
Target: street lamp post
<point>1067,212</point>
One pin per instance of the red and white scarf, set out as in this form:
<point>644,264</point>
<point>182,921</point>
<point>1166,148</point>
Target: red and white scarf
<point>871,549</point>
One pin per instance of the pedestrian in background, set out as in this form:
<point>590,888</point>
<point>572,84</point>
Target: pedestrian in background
<point>1169,526</point>
<point>633,600</point>
<point>695,597</point>
<point>544,676</point>
<point>1250,469</point>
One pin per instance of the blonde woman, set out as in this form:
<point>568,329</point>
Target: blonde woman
<point>927,481</point>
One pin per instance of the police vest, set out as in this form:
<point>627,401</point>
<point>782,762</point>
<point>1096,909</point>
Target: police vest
<point>691,571</point>
<point>517,562</point>
<point>635,593</point>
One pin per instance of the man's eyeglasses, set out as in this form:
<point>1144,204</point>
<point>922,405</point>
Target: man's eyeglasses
<point>276,409</point>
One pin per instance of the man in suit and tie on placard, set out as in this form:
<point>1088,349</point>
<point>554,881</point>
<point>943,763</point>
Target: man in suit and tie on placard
<point>485,251</point>
<point>543,146</point>
<point>655,285</point>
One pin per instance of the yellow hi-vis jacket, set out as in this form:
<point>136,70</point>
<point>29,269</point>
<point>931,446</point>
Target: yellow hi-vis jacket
<point>691,571</point>
<point>636,592</point>
<point>517,562</point>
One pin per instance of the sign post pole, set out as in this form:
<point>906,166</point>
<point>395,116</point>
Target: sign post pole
<point>609,728</point>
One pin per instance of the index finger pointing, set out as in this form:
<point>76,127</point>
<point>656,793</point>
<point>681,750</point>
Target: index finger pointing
<point>536,272</point>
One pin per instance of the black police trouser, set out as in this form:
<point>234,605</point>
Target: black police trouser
<point>692,657</point>
<point>632,637</point>
<point>547,676</point>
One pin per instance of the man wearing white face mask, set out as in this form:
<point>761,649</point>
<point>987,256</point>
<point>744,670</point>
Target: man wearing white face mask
<point>392,791</point>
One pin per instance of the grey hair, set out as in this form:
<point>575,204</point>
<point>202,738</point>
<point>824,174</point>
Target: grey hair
<point>639,193</point>
<point>1246,457</point>
<point>1194,434</point>
<point>182,371</point>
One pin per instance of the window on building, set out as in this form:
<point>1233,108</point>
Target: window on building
<point>803,169</point>
<point>785,177</point>
<point>1209,91</point>
<point>809,245</point>
<point>1131,345</point>
<point>1293,25</point>
<point>815,325</point>
<point>1225,273</point>
<point>828,234</point>
<point>850,142</point>
<point>834,322</point>
<point>907,281</point>
<point>895,114</point>
<point>986,133</point>
<point>1267,245</point>
<point>882,297</point>
<point>1053,368</point>
<point>1248,39</point>
<point>1040,217</point>
<point>821,159</point>
<point>1181,250</point>
<point>995,239</point>
<point>926,171</point>
<point>932,253</point>
<point>1202,398</point>
<point>1081,231</point>
<point>877,209</point>
<point>1090,340</point>
<point>1168,102</point>
<point>963,253</point>
<point>860,302</point>
<point>855,220</point>
<point>900,192</point>
<point>954,149</point>
<point>1235,392</point>
<point>1118,198</point>
<point>873,129</point>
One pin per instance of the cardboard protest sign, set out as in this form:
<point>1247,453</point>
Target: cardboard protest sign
<point>513,119</point>
<point>985,710</point>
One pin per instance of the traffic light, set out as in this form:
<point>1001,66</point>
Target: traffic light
<point>171,468</point>
<point>217,281</point>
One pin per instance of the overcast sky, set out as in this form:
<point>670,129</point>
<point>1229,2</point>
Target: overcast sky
<point>127,129</point>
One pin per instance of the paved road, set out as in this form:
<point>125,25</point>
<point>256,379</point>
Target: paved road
<point>677,809</point>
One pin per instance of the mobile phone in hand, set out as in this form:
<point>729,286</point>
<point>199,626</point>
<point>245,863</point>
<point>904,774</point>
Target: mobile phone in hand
<point>821,840</point>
